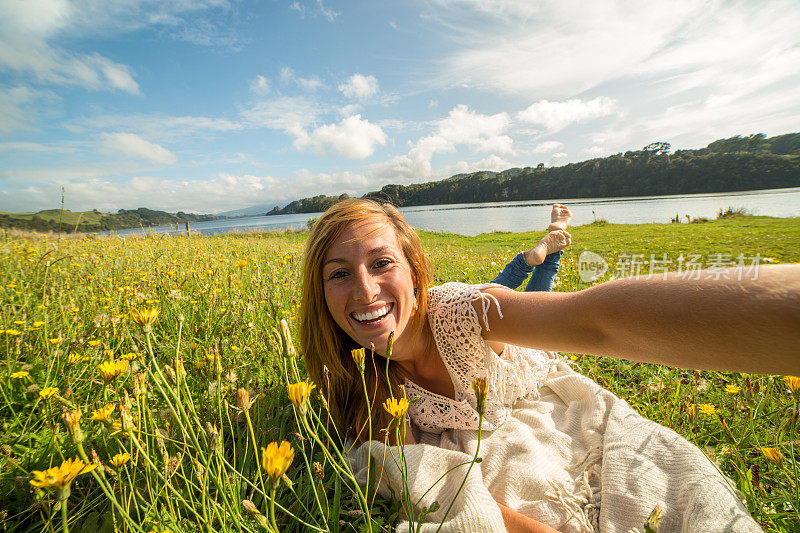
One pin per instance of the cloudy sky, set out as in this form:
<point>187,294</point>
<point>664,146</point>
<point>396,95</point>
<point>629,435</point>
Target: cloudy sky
<point>215,105</point>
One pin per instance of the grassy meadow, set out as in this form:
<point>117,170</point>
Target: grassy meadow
<point>168,414</point>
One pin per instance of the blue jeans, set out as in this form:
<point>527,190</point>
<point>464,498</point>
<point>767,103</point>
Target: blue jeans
<point>517,270</point>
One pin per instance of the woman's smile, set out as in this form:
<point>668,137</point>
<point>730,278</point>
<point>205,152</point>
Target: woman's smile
<point>369,289</point>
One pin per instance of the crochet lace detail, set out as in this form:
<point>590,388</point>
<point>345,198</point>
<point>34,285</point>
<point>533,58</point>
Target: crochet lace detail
<point>517,373</point>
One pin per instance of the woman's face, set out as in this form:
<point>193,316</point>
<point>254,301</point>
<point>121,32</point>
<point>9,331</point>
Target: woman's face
<point>369,287</point>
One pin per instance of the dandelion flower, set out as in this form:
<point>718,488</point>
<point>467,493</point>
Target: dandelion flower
<point>38,324</point>
<point>732,389</point>
<point>691,408</point>
<point>358,357</point>
<point>55,340</point>
<point>793,382</point>
<point>12,332</point>
<point>111,370</point>
<point>94,342</point>
<point>48,392</point>
<point>241,263</point>
<point>19,375</point>
<point>275,459</point>
<point>145,316</point>
<point>479,386</point>
<point>707,409</point>
<point>396,407</point>
<point>298,392</point>
<point>60,477</point>
<point>102,414</point>
<point>130,356</point>
<point>75,357</point>
<point>773,454</point>
<point>120,459</point>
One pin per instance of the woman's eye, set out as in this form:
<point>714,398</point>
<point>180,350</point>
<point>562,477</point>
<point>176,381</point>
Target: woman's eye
<point>338,274</point>
<point>381,263</point>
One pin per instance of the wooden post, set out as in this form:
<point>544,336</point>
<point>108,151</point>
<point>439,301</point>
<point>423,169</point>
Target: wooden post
<point>188,231</point>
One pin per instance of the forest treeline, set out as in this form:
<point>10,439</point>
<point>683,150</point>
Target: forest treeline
<point>734,164</point>
<point>93,221</point>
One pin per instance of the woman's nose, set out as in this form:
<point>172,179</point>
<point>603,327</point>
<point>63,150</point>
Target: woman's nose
<point>366,288</point>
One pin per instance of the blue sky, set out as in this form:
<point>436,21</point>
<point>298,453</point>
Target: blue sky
<point>217,105</point>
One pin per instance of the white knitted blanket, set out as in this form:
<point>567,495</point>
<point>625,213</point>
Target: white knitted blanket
<point>555,446</point>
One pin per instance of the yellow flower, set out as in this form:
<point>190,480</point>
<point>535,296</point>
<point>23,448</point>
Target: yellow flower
<point>12,332</point>
<point>59,477</point>
<point>38,324</point>
<point>130,356</point>
<point>48,392</point>
<point>275,460</point>
<point>102,414</point>
<point>396,407</point>
<point>19,375</point>
<point>145,316</point>
<point>110,370</point>
<point>793,382</point>
<point>732,389</point>
<point>72,419</point>
<point>55,340</point>
<point>707,409</point>
<point>120,459</point>
<point>298,392</point>
<point>773,454</point>
<point>241,263</point>
<point>479,386</point>
<point>95,342</point>
<point>358,357</point>
<point>691,408</point>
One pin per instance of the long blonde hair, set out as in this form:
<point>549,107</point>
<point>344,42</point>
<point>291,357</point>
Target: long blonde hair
<point>326,348</point>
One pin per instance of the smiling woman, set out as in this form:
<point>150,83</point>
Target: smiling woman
<point>553,440</point>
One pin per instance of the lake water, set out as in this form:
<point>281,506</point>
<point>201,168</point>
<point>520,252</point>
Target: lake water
<point>473,219</point>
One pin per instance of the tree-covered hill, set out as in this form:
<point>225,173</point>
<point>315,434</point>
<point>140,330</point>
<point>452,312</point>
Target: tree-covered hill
<point>734,164</point>
<point>91,221</point>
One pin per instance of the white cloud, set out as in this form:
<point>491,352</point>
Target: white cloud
<point>155,126</point>
<point>548,146</point>
<point>557,158</point>
<point>352,137</point>
<point>595,150</point>
<point>555,116</point>
<point>575,46</point>
<point>132,145</point>
<point>359,86</point>
<point>289,77</point>
<point>349,110</point>
<point>314,9</point>
<point>12,102</point>
<point>463,126</point>
<point>260,85</point>
<point>288,113</point>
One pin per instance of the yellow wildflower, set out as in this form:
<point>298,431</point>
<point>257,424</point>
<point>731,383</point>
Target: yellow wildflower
<point>145,316</point>
<point>72,418</point>
<point>707,409</point>
<point>275,459</point>
<point>298,392</point>
<point>110,370</point>
<point>48,392</point>
<point>120,459</point>
<point>773,454</point>
<point>38,324</point>
<point>396,407</point>
<point>95,342</point>
<point>12,332</point>
<point>102,414</point>
<point>130,356</point>
<point>19,375</point>
<point>59,477</point>
<point>479,386</point>
<point>55,340</point>
<point>793,382</point>
<point>732,389</point>
<point>241,263</point>
<point>691,408</point>
<point>358,357</point>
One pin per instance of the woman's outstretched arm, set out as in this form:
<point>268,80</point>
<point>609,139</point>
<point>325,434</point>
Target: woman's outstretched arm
<point>724,324</point>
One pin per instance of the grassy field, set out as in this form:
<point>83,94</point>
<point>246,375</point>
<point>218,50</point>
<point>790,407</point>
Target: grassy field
<point>170,417</point>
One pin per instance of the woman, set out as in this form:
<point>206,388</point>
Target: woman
<point>552,439</point>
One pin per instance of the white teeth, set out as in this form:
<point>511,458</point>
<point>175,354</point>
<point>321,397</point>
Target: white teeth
<point>372,315</point>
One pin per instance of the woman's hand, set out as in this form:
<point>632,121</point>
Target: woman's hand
<point>723,324</point>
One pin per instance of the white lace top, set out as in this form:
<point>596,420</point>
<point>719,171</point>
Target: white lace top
<point>517,373</point>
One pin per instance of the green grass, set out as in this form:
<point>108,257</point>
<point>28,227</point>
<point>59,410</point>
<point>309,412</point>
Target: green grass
<point>67,305</point>
<point>55,215</point>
